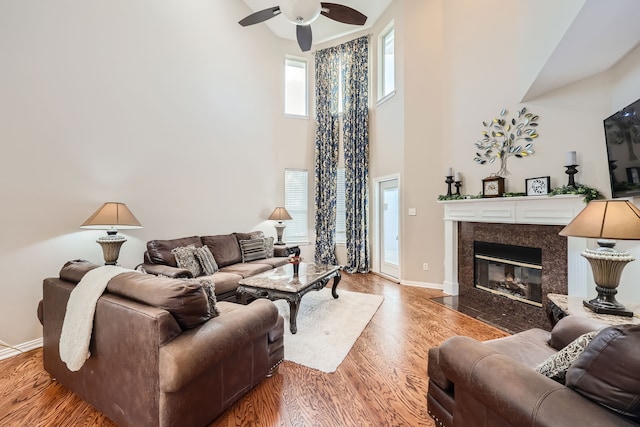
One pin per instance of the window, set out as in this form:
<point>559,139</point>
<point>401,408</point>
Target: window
<point>295,87</point>
<point>341,211</point>
<point>387,78</point>
<point>296,202</point>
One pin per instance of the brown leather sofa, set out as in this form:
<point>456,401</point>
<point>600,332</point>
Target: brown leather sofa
<point>227,252</point>
<point>157,359</point>
<point>494,383</point>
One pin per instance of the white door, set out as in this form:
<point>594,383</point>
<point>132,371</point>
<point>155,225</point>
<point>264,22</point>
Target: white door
<point>389,214</point>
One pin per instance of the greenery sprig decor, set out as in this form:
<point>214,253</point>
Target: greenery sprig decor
<point>458,197</point>
<point>578,190</point>
<point>503,138</point>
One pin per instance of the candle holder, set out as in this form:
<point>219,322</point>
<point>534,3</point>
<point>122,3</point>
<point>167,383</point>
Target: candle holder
<point>571,171</point>
<point>449,181</point>
<point>458,184</point>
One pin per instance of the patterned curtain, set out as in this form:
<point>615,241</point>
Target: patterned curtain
<point>326,153</point>
<point>355,83</point>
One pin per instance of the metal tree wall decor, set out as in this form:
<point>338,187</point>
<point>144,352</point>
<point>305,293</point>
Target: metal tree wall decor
<point>503,139</point>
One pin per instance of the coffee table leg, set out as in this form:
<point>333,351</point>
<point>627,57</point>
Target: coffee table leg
<point>294,304</point>
<point>336,280</point>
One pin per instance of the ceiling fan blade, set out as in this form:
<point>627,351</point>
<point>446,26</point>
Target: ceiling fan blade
<point>261,16</point>
<point>303,32</point>
<point>344,14</point>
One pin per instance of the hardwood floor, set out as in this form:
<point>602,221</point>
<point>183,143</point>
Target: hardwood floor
<point>382,382</point>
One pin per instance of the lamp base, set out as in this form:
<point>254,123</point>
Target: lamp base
<point>111,248</point>
<point>279,231</point>
<point>607,307</point>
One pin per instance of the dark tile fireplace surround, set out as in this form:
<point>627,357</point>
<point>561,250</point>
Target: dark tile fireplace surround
<point>508,314</point>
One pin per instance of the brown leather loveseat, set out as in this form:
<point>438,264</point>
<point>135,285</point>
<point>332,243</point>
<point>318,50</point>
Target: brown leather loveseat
<point>495,383</point>
<point>158,358</point>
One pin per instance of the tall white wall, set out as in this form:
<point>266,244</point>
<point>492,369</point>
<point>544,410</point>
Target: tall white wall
<point>170,107</point>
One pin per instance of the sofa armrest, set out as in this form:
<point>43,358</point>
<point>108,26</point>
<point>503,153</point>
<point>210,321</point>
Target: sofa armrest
<point>571,327</point>
<point>166,270</point>
<point>183,359</point>
<point>520,395</point>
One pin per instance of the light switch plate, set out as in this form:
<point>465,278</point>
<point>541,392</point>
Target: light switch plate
<point>412,211</point>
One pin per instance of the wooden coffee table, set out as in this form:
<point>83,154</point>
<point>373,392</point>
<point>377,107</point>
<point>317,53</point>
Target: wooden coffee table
<point>279,283</point>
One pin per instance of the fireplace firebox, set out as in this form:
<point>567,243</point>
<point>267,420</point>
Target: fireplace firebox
<point>511,271</point>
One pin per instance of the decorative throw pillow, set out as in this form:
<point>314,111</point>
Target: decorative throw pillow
<point>556,366</point>
<point>252,250</point>
<point>268,246</point>
<point>207,261</point>
<point>607,371</point>
<point>185,258</point>
<point>209,289</point>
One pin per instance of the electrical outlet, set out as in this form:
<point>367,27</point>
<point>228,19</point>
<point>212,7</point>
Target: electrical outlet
<point>425,266</point>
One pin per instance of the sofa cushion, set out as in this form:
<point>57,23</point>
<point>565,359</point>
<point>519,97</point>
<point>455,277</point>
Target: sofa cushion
<point>527,347</point>
<point>184,299</point>
<point>210,290</point>
<point>556,366</point>
<point>252,249</point>
<point>159,251</point>
<point>250,235</point>
<point>186,258</point>
<point>206,259</point>
<point>225,281</point>
<point>273,262</point>
<point>225,249</point>
<point>608,370</point>
<point>247,269</point>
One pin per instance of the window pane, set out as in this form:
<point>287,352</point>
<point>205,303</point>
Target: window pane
<point>341,213</point>
<point>296,202</point>
<point>295,88</point>
<point>388,59</point>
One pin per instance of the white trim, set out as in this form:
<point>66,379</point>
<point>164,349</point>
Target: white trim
<point>24,347</point>
<point>385,98</point>
<point>296,116</point>
<point>421,284</point>
<point>380,84</point>
<point>375,237</point>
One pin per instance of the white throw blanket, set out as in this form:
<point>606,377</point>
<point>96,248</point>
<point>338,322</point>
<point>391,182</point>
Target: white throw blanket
<point>78,319</point>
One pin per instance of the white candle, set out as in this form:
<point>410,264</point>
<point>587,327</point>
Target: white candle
<point>449,172</point>
<point>571,158</point>
<point>458,176</point>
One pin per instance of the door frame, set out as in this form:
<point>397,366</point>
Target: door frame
<point>377,258</point>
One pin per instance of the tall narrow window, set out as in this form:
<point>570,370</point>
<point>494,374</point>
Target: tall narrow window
<point>341,211</point>
<point>295,87</point>
<point>387,77</point>
<point>296,202</point>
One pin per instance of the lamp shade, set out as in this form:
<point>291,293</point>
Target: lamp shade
<point>606,219</point>
<point>280,214</point>
<point>112,215</point>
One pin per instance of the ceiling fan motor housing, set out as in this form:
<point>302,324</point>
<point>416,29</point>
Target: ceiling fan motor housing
<point>300,12</point>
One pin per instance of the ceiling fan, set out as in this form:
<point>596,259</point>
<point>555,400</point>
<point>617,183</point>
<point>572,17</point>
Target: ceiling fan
<point>302,13</point>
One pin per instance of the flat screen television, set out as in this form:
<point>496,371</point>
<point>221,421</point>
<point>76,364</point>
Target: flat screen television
<point>622,135</point>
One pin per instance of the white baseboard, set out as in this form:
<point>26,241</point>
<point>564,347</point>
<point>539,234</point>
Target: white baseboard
<point>422,284</point>
<point>6,353</point>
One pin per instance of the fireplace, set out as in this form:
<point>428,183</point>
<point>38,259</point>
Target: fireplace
<point>511,271</point>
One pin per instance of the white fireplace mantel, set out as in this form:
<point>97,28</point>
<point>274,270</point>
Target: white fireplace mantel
<point>540,210</point>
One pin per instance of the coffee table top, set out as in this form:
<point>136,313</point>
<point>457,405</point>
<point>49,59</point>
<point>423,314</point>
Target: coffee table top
<point>281,278</point>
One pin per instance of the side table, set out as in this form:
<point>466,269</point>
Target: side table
<point>560,306</point>
<point>288,249</point>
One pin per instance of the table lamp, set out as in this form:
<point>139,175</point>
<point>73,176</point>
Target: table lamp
<point>280,214</point>
<point>111,216</point>
<point>606,220</point>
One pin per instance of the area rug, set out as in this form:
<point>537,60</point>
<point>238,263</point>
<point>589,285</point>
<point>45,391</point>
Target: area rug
<point>327,327</point>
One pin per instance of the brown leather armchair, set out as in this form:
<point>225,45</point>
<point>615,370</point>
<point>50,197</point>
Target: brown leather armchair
<point>494,383</point>
<point>146,368</point>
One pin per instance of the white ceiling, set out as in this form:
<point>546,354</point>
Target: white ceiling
<point>602,33</point>
<point>324,29</point>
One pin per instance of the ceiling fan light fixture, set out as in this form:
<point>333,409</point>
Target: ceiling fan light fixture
<point>300,12</point>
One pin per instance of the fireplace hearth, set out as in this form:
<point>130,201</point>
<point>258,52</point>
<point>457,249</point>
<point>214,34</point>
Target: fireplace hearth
<point>511,254</point>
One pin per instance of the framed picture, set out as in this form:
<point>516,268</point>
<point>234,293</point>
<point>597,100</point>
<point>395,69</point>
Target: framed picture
<point>538,186</point>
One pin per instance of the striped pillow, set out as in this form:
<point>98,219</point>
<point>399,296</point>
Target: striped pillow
<point>252,250</point>
<point>207,261</point>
